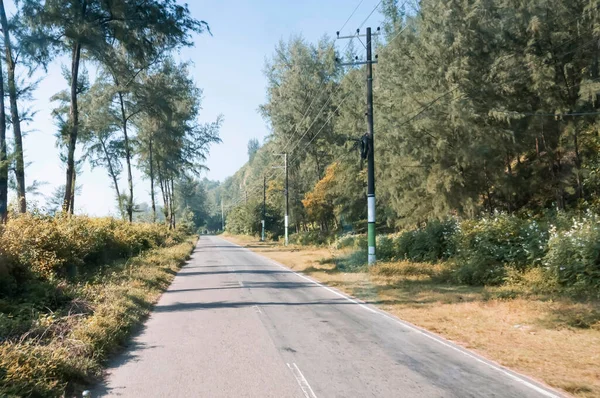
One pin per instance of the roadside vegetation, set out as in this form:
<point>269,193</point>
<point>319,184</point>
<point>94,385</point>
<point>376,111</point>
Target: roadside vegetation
<point>72,290</point>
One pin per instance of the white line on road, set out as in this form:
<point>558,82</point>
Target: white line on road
<point>258,309</point>
<point>429,336</point>
<point>308,392</point>
<point>416,329</point>
<point>241,283</point>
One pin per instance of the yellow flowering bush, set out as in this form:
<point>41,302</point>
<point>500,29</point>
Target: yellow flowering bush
<point>47,247</point>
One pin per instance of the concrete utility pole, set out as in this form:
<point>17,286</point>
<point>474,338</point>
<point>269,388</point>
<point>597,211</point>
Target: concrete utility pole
<point>370,153</point>
<point>287,196</point>
<point>371,156</point>
<point>264,212</point>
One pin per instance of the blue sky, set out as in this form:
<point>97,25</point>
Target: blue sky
<point>227,66</point>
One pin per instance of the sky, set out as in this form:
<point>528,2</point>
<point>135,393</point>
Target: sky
<point>227,66</point>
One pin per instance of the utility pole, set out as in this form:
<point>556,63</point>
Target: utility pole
<point>286,194</point>
<point>222,217</point>
<point>264,212</point>
<point>370,153</point>
<point>287,199</point>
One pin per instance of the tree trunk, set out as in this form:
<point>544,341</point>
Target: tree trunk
<point>73,187</point>
<point>113,175</point>
<point>152,184</point>
<point>14,113</point>
<point>172,200</point>
<point>577,165</point>
<point>127,159</point>
<point>3,155</point>
<point>164,193</point>
<point>169,203</point>
<point>74,116</point>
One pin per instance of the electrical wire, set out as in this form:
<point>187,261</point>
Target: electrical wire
<point>351,15</point>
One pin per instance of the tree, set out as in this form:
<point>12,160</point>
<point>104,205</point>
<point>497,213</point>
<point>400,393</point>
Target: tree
<point>172,142</point>
<point>95,28</point>
<point>253,147</point>
<point>14,112</point>
<point>55,200</point>
<point>302,98</point>
<point>99,126</point>
<point>191,198</point>
<point>3,154</point>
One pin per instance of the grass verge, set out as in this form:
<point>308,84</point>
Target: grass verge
<point>551,337</point>
<point>63,348</point>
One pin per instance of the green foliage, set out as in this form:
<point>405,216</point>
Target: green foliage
<point>574,255</point>
<point>310,238</point>
<point>432,243</point>
<point>245,220</point>
<point>186,221</point>
<point>253,147</point>
<point>484,248</point>
<point>353,262</point>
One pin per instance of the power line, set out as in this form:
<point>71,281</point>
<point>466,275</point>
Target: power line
<point>371,13</point>
<point>351,15</point>
<point>327,121</point>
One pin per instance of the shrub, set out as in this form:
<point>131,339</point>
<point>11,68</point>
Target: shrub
<point>574,255</point>
<point>385,248</point>
<point>44,247</point>
<point>535,280</point>
<point>432,243</point>
<point>344,241</point>
<point>484,248</point>
<point>353,262</point>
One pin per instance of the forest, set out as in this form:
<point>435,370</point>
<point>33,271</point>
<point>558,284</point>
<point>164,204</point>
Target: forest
<point>486,119</point>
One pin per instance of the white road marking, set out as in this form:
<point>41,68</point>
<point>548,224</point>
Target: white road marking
<point>258,309</point>
<point>241,283</point>
<point>306,389</point>
<point>416,329</point>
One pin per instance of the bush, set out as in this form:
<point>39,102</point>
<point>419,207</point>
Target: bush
<point>309,238</point>
<point>432,243</point>
<point>345,241</point>
<point>386,249</point>
<point>484,248</point>
<point>44,247</point>
<point>353,262</point>
<point>574,255</point>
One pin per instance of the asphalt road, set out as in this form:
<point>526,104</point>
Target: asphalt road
<point>235,324</point>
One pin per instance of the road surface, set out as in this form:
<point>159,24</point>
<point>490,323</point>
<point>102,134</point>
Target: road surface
<point>235,324</point>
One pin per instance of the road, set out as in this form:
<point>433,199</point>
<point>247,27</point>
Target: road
<point>235,324</point>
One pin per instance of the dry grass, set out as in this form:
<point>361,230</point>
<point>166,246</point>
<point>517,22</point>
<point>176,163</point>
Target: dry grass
<point>553,339</point>
<point>64,350</point>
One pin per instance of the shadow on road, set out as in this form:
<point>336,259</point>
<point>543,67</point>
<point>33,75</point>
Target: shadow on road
<point>256,272</point>
<point>177,307</point>
<point>250,285</point>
